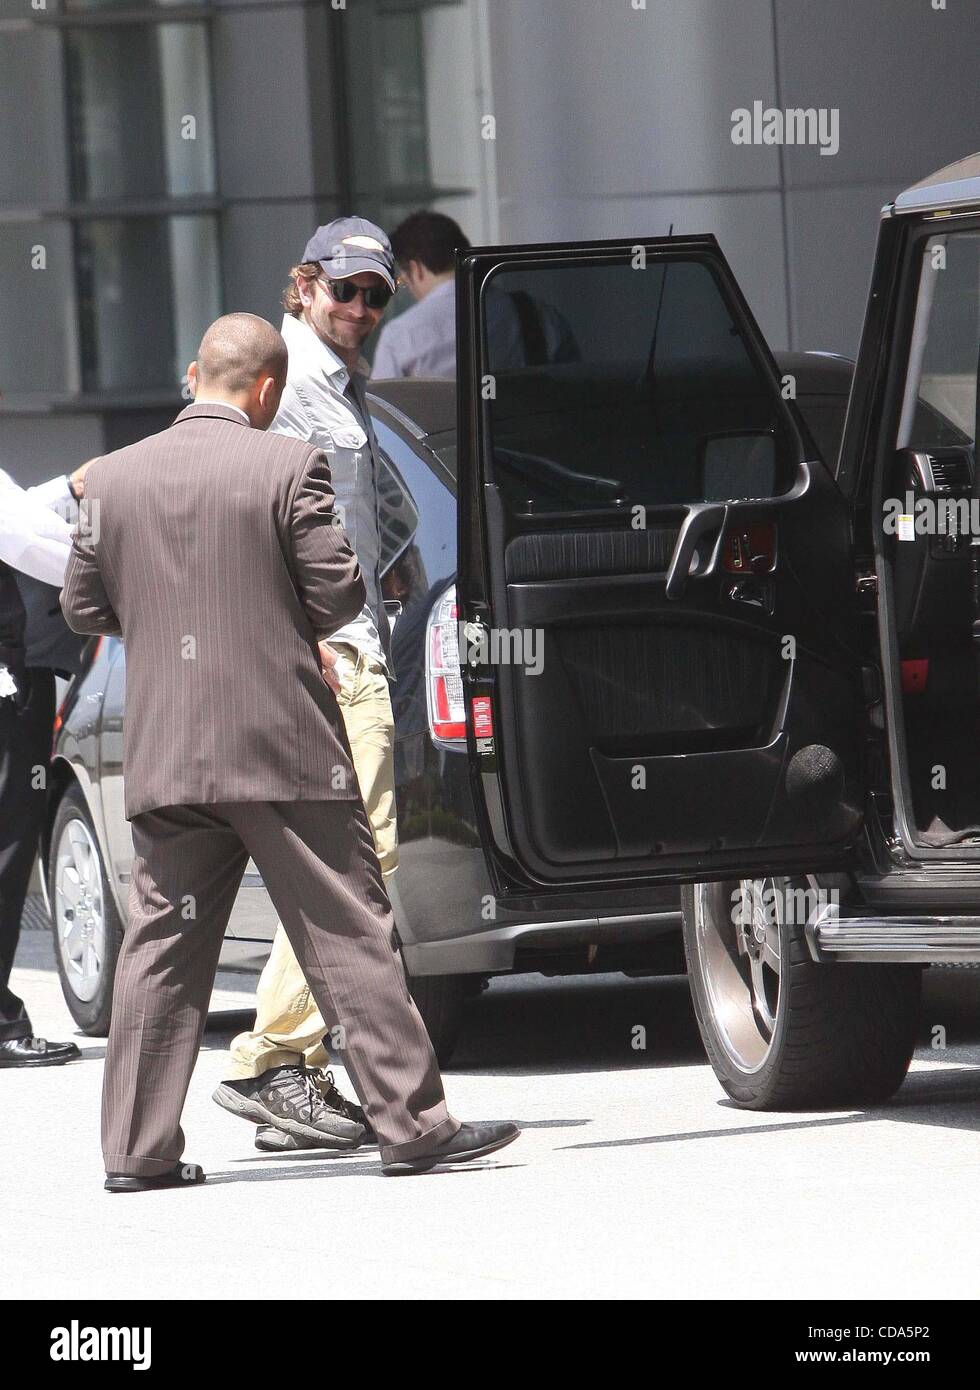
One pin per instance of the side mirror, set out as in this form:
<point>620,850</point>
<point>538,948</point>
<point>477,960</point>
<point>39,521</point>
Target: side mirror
<point>738,466</point>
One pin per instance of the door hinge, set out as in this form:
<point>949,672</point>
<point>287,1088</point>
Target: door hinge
<point>475,638</point>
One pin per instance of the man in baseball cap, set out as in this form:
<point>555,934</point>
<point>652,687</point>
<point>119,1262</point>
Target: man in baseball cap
<point>335,298</point>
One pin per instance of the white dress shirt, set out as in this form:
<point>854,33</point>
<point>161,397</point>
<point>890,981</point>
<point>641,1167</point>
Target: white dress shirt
<point>35,534</point>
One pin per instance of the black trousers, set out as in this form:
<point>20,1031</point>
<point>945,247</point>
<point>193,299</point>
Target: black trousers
<point>25,761</point>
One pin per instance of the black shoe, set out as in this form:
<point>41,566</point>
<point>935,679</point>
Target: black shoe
<point>469,1141</point>
<point>180,1175</point>
<point>334,1100</point>
<point>36,1052</point>
<point>289,1099</point>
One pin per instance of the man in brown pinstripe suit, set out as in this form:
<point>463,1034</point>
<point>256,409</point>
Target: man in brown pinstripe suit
<point>212,549</point>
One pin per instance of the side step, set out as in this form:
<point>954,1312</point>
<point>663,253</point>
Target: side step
<point>911,940</point>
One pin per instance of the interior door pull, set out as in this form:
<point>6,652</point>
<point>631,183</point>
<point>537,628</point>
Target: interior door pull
<point>700,520</point>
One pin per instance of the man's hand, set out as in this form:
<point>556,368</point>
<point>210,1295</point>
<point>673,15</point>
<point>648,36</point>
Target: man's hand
<point>328,665</point>
<point>77,479</point>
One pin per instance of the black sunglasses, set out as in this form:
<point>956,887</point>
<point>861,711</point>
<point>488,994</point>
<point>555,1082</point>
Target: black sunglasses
<point>345,292</point>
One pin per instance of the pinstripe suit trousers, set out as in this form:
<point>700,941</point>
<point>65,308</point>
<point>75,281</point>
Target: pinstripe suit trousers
<point>318,862</point>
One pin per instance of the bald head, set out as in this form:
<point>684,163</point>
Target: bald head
<point>241,362</point>
<point>237,351</point>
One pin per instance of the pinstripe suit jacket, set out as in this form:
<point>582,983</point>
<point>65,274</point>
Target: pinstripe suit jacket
<point>213,551</point>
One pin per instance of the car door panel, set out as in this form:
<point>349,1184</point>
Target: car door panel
<point>665,721</point>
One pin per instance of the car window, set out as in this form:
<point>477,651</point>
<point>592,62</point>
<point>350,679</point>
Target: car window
<point>636,388</point>
<point>824,418</point>
<point>418,514</point>
<point>940,403</point>
<point>397,512</point>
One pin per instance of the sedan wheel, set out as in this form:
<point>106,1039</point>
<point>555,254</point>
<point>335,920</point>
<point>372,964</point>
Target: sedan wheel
<point>86,925</point>
<point>77,906</point>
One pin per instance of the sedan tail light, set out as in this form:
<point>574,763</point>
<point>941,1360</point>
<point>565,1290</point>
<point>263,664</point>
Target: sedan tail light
<point>443,681</point>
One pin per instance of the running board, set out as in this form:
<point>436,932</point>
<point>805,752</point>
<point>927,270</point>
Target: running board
<point>922,940</point>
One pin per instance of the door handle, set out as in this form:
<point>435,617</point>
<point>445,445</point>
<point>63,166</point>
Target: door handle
<point>757,593</point>
<point>702,518</point>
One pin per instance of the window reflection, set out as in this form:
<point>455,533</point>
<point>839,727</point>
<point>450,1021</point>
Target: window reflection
<point>148,288</point>
<point>140,107</point>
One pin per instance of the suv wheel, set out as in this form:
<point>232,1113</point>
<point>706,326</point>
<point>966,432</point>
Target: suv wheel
<point>781,1031</point>
<point>87,929</point>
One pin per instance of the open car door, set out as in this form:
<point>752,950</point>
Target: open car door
<point>660,653</point>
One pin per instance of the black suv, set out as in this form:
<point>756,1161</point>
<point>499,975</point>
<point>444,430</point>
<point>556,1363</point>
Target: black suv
<point>758,675</point>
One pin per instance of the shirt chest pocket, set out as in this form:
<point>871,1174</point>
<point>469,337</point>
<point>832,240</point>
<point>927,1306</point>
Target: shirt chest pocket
<point>348,437</point>
<point>348,461</point>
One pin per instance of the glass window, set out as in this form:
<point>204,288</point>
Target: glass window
<point>33,168</point>
<point>399,516</point>
<point>414,110</point>
<point>140,111</point>
<point>148,287</point>
<point>940,406</point>
<point>618,387</point>
<point>429,551</point>
<point>402,99</point>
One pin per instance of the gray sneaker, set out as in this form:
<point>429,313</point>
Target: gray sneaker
<point>335,1100</point>
<point>289,1099</point>
<point>270,1140</point>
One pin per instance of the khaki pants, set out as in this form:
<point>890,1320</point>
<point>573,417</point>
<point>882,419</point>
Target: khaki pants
<point>289,1028</point>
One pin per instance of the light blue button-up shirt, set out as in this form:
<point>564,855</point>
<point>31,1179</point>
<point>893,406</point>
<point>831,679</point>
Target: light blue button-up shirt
<point>422,340</point>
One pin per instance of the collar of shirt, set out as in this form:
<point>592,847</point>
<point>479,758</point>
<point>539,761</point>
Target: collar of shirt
<point>308,350</point>
<point>228,405</point>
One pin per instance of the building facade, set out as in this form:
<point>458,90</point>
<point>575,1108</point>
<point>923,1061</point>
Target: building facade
<point>164,161</point>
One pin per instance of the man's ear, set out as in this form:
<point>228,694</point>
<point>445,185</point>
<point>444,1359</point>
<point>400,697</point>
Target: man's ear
<point>192,378</point>
<point>306,290</point>
<point>268,390</point>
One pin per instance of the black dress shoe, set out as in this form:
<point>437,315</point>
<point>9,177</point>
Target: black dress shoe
<point>180,1175</point>
<point>469,1141</point>
<point>36,1052</point>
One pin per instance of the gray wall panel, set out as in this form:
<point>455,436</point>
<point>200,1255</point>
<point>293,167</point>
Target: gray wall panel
<point>262,104</point>
<point>37,322</point>
<point>606,99</point>
<point>903,75</point>
<point>35,448</point>
<point>832,234</point>
<point>261,242</point>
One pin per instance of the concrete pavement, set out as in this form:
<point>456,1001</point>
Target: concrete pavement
<point>634,1177</point>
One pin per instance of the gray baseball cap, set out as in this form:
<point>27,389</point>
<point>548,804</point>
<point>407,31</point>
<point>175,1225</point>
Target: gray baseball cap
<point>350,246</point>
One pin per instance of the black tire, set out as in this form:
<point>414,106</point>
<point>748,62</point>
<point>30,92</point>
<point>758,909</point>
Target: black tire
<point>441,1000</point>
<point>826,1035</point>
<point>91,1011</point>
